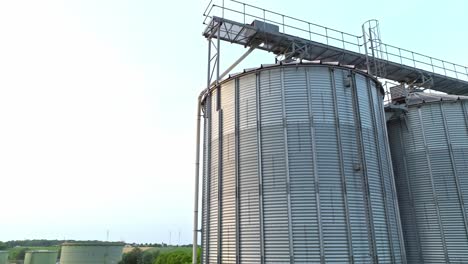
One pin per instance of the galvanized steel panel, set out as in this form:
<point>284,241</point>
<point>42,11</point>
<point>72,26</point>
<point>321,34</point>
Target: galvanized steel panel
<point>275,205</point>
<point>303,133</point>
<point>249,189</point>
<point>228,186</point>
<point>429,146</point>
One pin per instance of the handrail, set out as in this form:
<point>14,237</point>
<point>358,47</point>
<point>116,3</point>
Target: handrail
<point>458,71</point>
<point>293,18</point>
<point>336,38</point>
<point>345,37</point>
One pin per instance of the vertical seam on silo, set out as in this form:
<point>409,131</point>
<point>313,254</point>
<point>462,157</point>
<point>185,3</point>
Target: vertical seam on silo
<point>454,168</point>
<point>382,179</point>
<point>342,171</point>
<point>369,215</point>
<point>395,195</point>
<point>259,165</point>
<point>396,208</point>
<point>220,177</point>
<point>208,177</point>
<point>465,113</point>
<point>237,160</point>
<point>315,169</point>
<point>286,156</point>
<point>408,183</point>
<point>434,194</point>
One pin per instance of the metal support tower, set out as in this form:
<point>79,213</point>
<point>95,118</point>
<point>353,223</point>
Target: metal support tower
<point>213,78</point>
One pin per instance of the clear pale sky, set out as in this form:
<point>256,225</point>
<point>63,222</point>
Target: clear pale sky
<point>98,101</point>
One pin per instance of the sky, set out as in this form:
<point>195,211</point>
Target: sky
<point>98,105</point>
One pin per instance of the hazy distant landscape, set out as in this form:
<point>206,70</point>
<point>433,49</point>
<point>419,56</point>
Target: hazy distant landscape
<point>147,253</point>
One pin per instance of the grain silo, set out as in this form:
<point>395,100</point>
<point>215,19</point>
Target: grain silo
<point>41,257</point>
<point>3,257</point>
<point>91,253</point>
<point>297,169</point>
<point>429,143</point>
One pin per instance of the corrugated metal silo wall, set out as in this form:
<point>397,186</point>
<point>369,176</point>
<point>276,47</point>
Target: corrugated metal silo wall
<point>297,169</point>
<point>430,153</point>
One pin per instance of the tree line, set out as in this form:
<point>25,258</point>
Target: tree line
<point>176,255</point>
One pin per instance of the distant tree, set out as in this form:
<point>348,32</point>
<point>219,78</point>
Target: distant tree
<point>18,254</point>
<point>133,257</point>
<point>3,246</point>
<point>150,256</point>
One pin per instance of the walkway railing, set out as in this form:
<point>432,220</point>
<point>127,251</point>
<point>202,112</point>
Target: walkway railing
<point>246,13</point>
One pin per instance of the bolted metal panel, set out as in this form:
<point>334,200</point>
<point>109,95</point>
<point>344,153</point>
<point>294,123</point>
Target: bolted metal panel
<point>342,165</point>
<point>275,204</point>
<point>430,151</point>
<point>228,187</point>
<point>309,164</point>
<point>332,207</point>
<point>362,166</point>
<point>249,188</point>
<point>352,168</point>
<point>385,175</point>
<point>395,235</point>
<point>305,228</point>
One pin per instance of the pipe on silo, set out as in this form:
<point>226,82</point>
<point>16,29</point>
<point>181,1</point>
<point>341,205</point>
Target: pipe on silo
<point>197,176</point>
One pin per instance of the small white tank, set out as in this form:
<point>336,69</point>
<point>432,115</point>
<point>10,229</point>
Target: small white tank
<point>3,257</point>
<point>91,253</point>
<point>41,257</point>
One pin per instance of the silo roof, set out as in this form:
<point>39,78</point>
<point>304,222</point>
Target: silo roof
<point>294,63</point>
<point>416,98</point>
<point>93,243</point>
